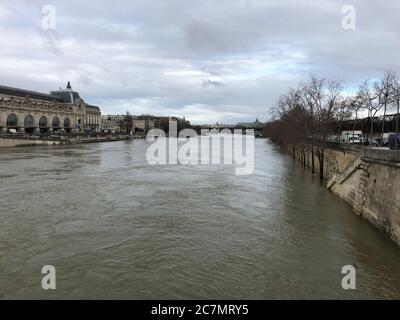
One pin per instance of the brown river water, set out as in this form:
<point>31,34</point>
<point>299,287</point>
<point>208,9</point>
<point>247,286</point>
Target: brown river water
<point>114,226</point>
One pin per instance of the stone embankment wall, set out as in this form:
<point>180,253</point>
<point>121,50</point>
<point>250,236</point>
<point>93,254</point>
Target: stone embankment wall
<point>8,143</point>
<point>367,178</point>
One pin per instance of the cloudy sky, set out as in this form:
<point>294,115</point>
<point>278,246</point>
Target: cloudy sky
<point>220,60</point>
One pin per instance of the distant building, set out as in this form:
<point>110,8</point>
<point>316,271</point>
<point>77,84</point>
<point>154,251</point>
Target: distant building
<point>111,123</point>
<point>119,123</point>
<point>251,125</point>
<point>145,123</point>
<point>182,123</point>
<point>142,123</point>
<point>29,111</point>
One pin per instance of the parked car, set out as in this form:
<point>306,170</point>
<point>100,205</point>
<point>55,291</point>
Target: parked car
<point>354,140</point>
<point>394,141</point>
<point>372,143</point>
<point>379,141</point>
<point>386,138</point>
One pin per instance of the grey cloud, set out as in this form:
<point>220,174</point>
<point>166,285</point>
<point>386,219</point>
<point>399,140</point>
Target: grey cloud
<point>228,59</point>
<point>209,83</point>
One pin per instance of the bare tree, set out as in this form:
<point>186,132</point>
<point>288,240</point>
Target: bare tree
<point>294,122</point>
<point>346,107</point>
<point>129,123</point>
<point>369,101</point>
<point>322,100</point>
<point>396,99</point>
<point>355,105</point>
<point>384,93</point>
<point>126,123</point>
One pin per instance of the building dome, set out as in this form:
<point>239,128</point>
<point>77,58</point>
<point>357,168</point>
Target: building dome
<point>67,95</point>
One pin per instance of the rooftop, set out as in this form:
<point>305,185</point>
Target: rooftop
<point>66,95</point>
<point>10,91</point>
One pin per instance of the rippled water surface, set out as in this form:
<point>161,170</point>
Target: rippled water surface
<point>115,227</point>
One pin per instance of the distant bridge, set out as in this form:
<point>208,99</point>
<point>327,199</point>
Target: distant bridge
<point>258,130</point>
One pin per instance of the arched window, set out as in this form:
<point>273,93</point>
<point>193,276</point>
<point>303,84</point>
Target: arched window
<point>67,123</point>
<point>43,122</point>
<point>29,122</point>
<point>12,120</point>
<point>56,123</point>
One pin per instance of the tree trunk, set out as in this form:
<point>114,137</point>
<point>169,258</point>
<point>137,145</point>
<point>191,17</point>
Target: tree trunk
<point>302,156</point>
<point>340,132</point>
<point>372,128</point>
<point>321,164</point>
<point>312,160</point>
<point>383,122</point>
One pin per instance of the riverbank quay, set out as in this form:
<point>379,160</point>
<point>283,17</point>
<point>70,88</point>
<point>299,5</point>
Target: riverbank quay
<point>11,141</point>
<point>365,177</point>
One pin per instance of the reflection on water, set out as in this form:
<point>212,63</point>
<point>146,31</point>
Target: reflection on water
<point>115,227</point>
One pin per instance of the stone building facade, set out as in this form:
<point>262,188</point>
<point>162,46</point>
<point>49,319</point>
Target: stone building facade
<point>111,123</point>
<point>145,123</point>
<point>35,112</point>
<point>118,123</point>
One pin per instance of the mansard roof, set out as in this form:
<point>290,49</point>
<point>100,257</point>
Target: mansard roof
<point>89,106</point>
<point>10,91</point>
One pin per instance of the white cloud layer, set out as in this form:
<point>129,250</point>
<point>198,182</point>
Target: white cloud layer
<point>206,60</point>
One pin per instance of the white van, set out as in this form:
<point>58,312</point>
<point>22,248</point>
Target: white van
<point>351,136</point>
